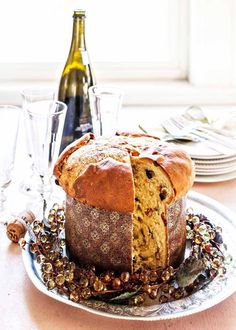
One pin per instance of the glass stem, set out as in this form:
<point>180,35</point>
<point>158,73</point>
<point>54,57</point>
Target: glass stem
<point>44,195</point>
<point>2,198</point>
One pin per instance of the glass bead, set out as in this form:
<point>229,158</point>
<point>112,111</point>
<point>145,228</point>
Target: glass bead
<point>198,239</point>
<point>214,252</point>
<point>147,288</point>
<point>165,275</point>
<point>33,247</point>
<point>51,218</point>
<point>61,226</point>
<point>52,255</point>
<point>98,286</point>
<point>144,277</point>
<point>50,284</point>
<point>208,247</point>
<point>188,228</point>
<point>47,277</point>
<point>36,229</point>
<point>195,220</point>
<point>206,237</point>
<point>179,293</point>
<point>171,290</point>
<point>216,263</point>
<point>171,270</point>
<point>137,300</point>
<point>125,276</point>
<point>107,278</point>
<point>153,294</point>
<point>58,263</point>
<point>153,276</point>
<point>60,218</point>
<point>86,293</point>
<point>189,235</point>
<point>53,227</point>
<point>40,258</point>
<point>60,279</point>
<point>47,267</point>
<point>202,229</point>
<point>43,238</point>
<point>116,283</point>
<point>74,296</point>
<point>83,282</point>
<point>69,276</point>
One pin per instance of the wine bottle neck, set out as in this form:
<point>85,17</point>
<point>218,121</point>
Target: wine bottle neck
<point>78,35</point>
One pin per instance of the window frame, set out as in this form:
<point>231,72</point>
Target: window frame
<point>149,83</point>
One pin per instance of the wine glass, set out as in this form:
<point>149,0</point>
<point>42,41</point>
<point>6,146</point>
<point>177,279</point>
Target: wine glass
<point>29,96</point>
<point>105,103</point>
<point>45,120</point>
<point>9,124</point>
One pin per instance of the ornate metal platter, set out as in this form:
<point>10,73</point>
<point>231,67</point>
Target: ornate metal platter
<point>218,290</point>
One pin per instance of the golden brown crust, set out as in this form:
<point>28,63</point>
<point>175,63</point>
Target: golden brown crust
<point>69,150</point>
<point>108,185</point>
<point>75,166</point>
<point>176,163</point>
<point>137,135</point>
<point>173,160</point>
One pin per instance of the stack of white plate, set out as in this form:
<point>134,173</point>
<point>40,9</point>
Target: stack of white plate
<point>219,168</point>
<point>212,163</point>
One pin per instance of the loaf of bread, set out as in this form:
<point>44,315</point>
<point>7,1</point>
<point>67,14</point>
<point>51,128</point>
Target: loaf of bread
<point>125,205</point>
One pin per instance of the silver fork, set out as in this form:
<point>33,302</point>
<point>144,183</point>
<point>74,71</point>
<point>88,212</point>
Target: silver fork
<point>204,131</point>
<point>179,125</point>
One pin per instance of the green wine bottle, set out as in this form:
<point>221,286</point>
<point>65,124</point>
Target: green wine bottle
<point>76,79</point>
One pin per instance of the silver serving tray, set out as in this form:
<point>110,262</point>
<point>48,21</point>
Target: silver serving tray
<point>215,292</point>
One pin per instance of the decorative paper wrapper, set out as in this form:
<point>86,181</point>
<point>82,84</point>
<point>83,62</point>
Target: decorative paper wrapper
<point>103,238</point>
<point>176,222</point>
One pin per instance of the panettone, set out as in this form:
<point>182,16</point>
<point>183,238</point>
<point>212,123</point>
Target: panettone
<point>125,206</point>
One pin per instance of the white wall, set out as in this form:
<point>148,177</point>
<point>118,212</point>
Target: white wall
<point>159,51</point>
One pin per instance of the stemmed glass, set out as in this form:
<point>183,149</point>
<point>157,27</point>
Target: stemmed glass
<point>30,96</point>
<point>105,102</point>
<point>9,123</point>
<point>45,120</point>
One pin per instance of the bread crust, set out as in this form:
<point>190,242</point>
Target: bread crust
<point>107,184</point>
<point>68,151</point>
<point>95,175</point>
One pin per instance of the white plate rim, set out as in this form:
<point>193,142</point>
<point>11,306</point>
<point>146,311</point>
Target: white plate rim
<point>215,178</point>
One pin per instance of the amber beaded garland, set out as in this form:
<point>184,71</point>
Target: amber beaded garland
<point>160,285</point>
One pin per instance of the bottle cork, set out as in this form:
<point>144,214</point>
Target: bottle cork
<point>17,228</point>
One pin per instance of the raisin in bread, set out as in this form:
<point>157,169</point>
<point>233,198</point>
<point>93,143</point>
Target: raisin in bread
<point>125,206</point>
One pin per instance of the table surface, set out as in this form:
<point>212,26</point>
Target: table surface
<point>22,306</point>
